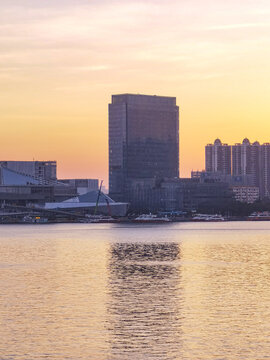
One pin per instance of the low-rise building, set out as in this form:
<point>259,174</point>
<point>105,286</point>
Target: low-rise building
<point>18,188</point>
<point>233,180</point>
<point>89,203</point>
<point>42,171</point>
<point>177,194</point>
<point>83,186</point>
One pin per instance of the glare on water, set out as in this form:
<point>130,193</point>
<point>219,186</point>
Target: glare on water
<point>174,291</point>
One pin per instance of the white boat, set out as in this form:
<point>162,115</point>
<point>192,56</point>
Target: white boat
<point>208,217</point>
<point>259,216</point>
<point>98,219</point>
<point>216,217</point>
<point>150,218</point>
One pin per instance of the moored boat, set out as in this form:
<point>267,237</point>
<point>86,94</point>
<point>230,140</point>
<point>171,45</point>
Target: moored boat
<point>97,219</point>
<point>208,217</point>
<point>150,218</point>
<point>259,216</point>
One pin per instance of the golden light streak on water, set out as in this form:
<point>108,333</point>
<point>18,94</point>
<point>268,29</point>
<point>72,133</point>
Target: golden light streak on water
<point>179,291</point>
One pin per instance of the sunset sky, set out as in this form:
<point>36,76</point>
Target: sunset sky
<point>60,61</point>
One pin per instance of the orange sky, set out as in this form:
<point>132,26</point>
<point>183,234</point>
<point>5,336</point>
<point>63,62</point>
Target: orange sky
<point>60,61</point>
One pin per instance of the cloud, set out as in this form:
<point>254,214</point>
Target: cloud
<point>90,37</point>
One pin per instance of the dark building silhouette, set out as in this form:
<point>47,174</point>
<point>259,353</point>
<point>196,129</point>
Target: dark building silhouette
<point>143,142</point>
<point>180,194</point>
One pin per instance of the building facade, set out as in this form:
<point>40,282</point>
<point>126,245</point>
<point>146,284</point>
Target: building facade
<point>253,160</point>
<point>241,154</point>
<point>82,185</point>
<point>143,141</point>
<point>218,157</point>
<point>233,180</point>
<point>250,164</point>
<point>246,160</point>
<point>43,171</point>
<point>246,194</point>
<point>265,170</point>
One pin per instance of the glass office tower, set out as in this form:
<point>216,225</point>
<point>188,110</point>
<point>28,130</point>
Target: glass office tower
<point>143,141</point>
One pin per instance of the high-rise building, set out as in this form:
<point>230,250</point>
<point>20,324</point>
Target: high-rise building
<point>241,155</point>
<point>250,163</point>
<point>265,170</point>
<point>254,165</point>
<point>218,157</point>
<point>246,161</point>
<point>143,141</point>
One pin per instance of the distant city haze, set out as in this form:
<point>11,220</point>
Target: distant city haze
<point>60,62</point>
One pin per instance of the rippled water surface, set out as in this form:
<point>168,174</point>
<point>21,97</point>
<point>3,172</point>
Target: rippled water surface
<point>179,291</point>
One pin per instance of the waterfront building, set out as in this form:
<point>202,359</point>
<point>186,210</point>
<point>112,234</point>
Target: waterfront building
<point>205,197</point>
<point>18,188</point>
<point>90,203</point>
<point>10,177</point>
<point>180,195</point>
<point>246,194</point>
<point>218,157</point>
<point>234,180</point>
<point>42,171</point>
<point>143,142</point>
<point>82,185</point>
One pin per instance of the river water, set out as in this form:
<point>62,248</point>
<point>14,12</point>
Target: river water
<point>122,292</point>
